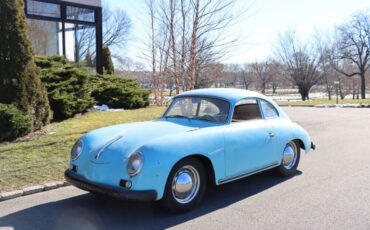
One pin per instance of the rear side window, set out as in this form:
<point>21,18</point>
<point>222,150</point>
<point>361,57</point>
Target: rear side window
<point>246,109</point>
<point>269,111</point>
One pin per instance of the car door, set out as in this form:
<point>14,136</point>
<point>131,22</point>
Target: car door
<point>249,141</point>
<point>271,116</point>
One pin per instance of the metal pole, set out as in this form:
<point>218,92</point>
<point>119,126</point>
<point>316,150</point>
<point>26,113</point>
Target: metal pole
<point>99,40</point>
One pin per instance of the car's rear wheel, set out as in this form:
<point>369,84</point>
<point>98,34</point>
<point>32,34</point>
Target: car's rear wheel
<point>185,186</point>
<point>290,161</point>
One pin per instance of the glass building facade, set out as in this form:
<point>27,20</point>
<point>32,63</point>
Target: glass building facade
<point>71,29</point>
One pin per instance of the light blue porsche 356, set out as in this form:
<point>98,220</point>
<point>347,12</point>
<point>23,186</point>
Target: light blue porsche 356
<point>205,136</point>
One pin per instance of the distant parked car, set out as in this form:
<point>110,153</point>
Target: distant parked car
<point>207,135</point>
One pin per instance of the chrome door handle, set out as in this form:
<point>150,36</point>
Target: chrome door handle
<point>271,134</point>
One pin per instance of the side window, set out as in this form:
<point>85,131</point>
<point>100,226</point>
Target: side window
<point>268,110</point>
<point>208,108</point>
<point>246,109</point>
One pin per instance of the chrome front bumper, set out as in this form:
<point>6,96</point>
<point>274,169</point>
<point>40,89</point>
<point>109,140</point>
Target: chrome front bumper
<point>118,192</point>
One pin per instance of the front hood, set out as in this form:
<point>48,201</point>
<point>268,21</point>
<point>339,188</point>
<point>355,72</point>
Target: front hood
<point>117,142</point>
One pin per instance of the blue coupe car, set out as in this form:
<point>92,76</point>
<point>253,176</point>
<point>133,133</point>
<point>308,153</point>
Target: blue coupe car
<point>205,136</point>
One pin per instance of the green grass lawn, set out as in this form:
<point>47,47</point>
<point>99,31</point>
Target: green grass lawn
<point>45,158</point>
<point>320,101</point>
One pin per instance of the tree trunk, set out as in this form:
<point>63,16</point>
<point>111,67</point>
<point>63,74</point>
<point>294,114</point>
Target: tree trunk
<point>274,87</point>
<point>183,44</point>
<point>363,86</point>
<point>304,93</point>
<point>153,56</point>
<point>341,91</point>
<point>164,78</point>
<point>173,43</point>
<point>193,49</point>
<point>246,85</point>
<point>329,93</point>
<point>263,88</point>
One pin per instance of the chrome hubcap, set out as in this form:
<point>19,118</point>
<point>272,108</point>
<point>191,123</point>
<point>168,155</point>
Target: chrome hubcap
<point>185,184</point>
<point>290,155</point>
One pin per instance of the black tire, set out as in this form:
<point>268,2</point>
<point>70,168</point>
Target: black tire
<point>169,201</point>
<point>285,171</point>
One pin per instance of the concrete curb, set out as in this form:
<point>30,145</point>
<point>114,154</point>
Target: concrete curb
<point>361,105</point>
<point>331,106</point>
<point>296,105</point>
<point>32,190</point>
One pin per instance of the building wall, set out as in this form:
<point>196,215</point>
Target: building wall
<point>85,2</point>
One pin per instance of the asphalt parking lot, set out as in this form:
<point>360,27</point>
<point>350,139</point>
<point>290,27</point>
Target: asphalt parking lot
<point>330,191</point>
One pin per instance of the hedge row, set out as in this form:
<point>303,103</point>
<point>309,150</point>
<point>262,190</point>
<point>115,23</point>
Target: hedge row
<point>13,122</point>
<point>119,92</point>
<point>73,89</point>
<point>67,86</point>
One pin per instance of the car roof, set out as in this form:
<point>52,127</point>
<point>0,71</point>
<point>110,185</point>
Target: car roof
<point>233,95</point>
<point>230,94</point>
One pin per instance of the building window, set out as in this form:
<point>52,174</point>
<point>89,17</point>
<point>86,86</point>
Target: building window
<point>46,37</point>
<point>80,14</point>
<point>81,43</point>
<point>66,28</point>
<point>43,9</point>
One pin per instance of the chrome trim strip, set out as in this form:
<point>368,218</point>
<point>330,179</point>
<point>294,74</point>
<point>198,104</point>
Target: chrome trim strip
<point>245,174</point>
<point>105,146</point>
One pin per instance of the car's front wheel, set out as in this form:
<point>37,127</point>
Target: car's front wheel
<point>290,161</point>
<point>185,186</point>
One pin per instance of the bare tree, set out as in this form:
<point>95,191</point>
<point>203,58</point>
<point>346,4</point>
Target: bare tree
<point>211,74</point>
<point>164,47</point>
<point>193,47</point>
<point>116,30</point>
<point>232,74</point>
<point>353,45</point>
<point>161,47</point>
<point>262,73</point>
<point>328,73</point>
<point>173,44</point>
<point>116,27</point>
<point>185,8</point>
<point>323,46</point>
<point>277,75</point>
<point>153,49</point>
<point>301,62</point>
<point>211,20</point>
<point>195,30</point>
<point>243,75</point>
<point>246,77</point>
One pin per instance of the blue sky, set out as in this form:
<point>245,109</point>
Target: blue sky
<point>258,31</point>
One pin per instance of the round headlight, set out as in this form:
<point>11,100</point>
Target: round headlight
<point>76,150</point>
<point>135,163</point>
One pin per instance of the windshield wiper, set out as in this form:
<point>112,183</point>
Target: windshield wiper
<point>177,116</point>
<point>206,118</point>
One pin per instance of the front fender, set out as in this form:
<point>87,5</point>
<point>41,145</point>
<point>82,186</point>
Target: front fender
<point>162,154</point>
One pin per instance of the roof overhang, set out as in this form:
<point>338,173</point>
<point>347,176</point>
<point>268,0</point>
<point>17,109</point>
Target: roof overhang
<point>85,2</point>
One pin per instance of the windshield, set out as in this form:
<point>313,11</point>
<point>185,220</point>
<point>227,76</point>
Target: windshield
<point>208,109</point>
